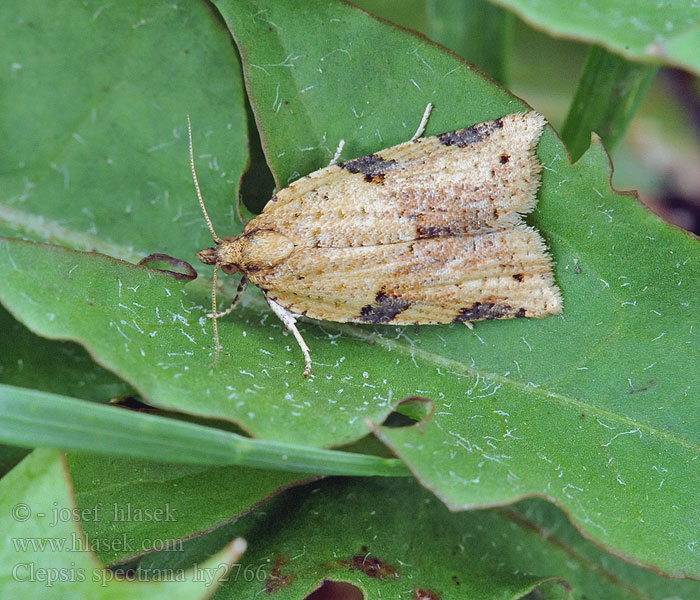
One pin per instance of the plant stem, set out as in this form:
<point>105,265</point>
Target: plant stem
<point>608,94</point>
<point>30,418</point>
<point>478,31</point>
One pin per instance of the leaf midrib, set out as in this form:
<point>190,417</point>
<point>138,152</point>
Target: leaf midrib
<point>555,398</point>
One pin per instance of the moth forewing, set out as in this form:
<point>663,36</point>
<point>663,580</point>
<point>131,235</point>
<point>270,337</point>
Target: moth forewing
<point>429,231</point>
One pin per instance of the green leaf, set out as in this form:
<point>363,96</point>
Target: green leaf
<point>478,31</point>
<point>624,353</point>
<point>31,418</point>
<point>337,526</point>
<point>591,572</point>
<point>655,32</point>
<point>374,102</point>
<point>597,423</point>
<point>513,398</point>
<point>153,504</point>
<point>389,541</point>
<point>95,150</point>
<point>150,328</point>
<point>43,552</point>
<point>28,360</point>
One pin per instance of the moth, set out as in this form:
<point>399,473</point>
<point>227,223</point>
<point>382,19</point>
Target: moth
<point>425,232</point>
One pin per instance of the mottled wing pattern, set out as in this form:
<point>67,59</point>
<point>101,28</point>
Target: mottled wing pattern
<point>428,231</point>
<point>460,278</point>
<point>463,181</point>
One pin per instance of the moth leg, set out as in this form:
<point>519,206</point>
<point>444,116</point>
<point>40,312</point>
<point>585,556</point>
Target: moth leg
<point>289,322</point>
<point>423,122</point>
<point>338,151</point>
<point>236,299</point>
<point>469,324</point>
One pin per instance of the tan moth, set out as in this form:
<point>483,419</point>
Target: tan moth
<point>426,232</point>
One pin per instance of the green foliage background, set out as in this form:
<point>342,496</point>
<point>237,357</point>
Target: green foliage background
<point>592,411</point>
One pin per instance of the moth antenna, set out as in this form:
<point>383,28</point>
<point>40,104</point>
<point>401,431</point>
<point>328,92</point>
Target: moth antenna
<point>423,122</point>
<point>217,239</point>
<point>214,315</point>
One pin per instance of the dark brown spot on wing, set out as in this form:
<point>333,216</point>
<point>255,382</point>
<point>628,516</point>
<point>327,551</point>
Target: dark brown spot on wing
<point>433,231</point>
<point>373,167</point>
<point>479,311</point>
<point>504,158</point>
<point>384,309</point>
<point>518,277</point>
<point>376,178</point>
<point>470,135</point>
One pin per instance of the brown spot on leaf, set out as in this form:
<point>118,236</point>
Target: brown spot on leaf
<point>276,580</point>
<point>372,566</point>
<point>386,306</point>
<point>470,135</point>
<point>424,594</point>
<point>479,311</point>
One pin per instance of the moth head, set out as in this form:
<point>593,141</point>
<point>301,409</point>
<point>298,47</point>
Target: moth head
<point>208,256</point>
<point>226,254</point>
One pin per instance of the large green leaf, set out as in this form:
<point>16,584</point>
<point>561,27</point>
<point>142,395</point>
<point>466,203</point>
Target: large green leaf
<point>330,530</point>
<point>318,72</point>
<point>94,123</point>
<point>150,328</point>
<point>153,505</point>
<point>505,394</point>
<point>44,554</point>
<point>61,367</point>
<point>663,32</point>
<point>389,541</point>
